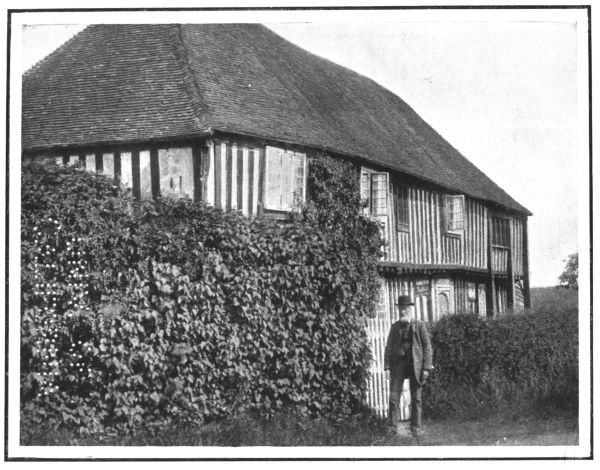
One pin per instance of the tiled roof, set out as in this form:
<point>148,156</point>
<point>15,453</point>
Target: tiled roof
<point>114,83</point>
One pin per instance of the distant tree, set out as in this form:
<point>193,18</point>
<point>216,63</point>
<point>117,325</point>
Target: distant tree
<point>570,275</point>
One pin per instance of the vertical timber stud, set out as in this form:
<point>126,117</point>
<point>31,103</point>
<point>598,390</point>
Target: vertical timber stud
<point>261,180</point>
<point>240,179</point>
<point>218,170</point>
<point>526,297</point>
<point>99,162</point>
<point>117,166</point>
<point>490,286</point>
<point>205,167</point>
<point>430,300</point>
<point>510,289</point>
<point>154,173</point>
<point>197,167</point>
<point>228,174</point>
<point>251,182</point>
<point>135,174</point>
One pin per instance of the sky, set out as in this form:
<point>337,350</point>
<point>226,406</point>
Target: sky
<point>503,93</point>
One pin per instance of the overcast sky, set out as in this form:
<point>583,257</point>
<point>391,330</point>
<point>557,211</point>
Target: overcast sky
<point>503,94</point>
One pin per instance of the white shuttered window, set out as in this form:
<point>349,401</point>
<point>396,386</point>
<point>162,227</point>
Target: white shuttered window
<point>285,179</point>
<point>374,187</point>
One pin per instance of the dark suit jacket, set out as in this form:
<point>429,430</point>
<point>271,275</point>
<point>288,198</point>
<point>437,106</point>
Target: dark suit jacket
<point>422,352</point>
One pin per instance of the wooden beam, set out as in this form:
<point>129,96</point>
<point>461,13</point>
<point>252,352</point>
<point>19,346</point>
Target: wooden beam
<point>135,174</point>
<point>154,172</point>
<point>510,288</point>
<point>261,181</point>
<point>228,176</point>
<point>117,165</point>
<point>197,169</point>
<point>526,295</point>
<point>218,170</point>
<point>99,162</point>
<point>490,286</point>
<point>240,179</point>
<point>251,181</point>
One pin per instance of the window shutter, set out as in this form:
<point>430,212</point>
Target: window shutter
<point>365,189</point>
<point>299,193</point>
<point>285,173</point>
<point>273,179</point>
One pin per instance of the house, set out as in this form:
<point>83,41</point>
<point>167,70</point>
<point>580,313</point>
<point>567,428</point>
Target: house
<point>232,114</point>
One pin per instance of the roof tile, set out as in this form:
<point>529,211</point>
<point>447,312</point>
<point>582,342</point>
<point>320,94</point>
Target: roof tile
<point>116,83</point>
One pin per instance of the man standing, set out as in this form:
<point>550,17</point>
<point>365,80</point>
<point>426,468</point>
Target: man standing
<point>408,355</point>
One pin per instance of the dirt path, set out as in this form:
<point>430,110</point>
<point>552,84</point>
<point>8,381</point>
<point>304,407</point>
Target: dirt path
<point>492,433</point>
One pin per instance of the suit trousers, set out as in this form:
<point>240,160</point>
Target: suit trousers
<point>399,371</point>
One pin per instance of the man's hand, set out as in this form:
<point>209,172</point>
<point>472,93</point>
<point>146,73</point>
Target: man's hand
<point>424,375</point>
<point>387,374</point>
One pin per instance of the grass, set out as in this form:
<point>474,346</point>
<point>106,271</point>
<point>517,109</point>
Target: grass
<point>288,429</point>
<point>496,432</point>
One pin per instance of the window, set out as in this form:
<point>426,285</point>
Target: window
<point>374,189</point>
<point>379,194</point>
<point>500,232</point>
<point>285,179</point>
<point>455,213</point>
<point>176,172</point>
<point>401,207</point>
<point>471,297</point>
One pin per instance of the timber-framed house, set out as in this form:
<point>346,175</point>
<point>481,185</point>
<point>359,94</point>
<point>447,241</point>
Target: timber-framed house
<point>232,114</point>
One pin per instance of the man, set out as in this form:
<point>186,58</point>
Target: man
<point>408,355</point>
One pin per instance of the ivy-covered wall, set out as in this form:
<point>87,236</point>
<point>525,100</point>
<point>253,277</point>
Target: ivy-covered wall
<point>141,313</point>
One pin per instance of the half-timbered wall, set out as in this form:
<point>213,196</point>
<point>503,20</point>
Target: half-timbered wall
<point>234,179</point>
<point>469,296</point>
<point>517,245</point>
<point>425,240</point>
<point>378,328</point>
<point>429,293</point>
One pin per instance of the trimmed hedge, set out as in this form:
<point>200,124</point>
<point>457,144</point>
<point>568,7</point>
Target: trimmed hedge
<point>142,314</point>
<point>512,365</point>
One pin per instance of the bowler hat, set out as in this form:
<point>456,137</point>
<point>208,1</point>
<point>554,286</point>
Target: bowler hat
<point>404,300</point>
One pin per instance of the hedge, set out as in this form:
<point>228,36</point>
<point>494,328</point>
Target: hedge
<point>144,314</point>
<point>517,364</point>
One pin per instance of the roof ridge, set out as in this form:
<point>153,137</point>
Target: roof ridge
<point>202,115</point>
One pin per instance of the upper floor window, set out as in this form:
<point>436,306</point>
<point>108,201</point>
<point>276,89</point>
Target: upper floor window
<point>379,194</point>
<point>401,207</point>
<point>455,213</point>
<point>285,179</point>
<point>374,189</point>
<point>500,232</point>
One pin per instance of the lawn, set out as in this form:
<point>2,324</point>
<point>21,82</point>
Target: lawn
<point>290,430</point>
<point>497,432</point>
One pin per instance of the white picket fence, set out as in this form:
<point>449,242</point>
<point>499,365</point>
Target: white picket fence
<point>378,387</point>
